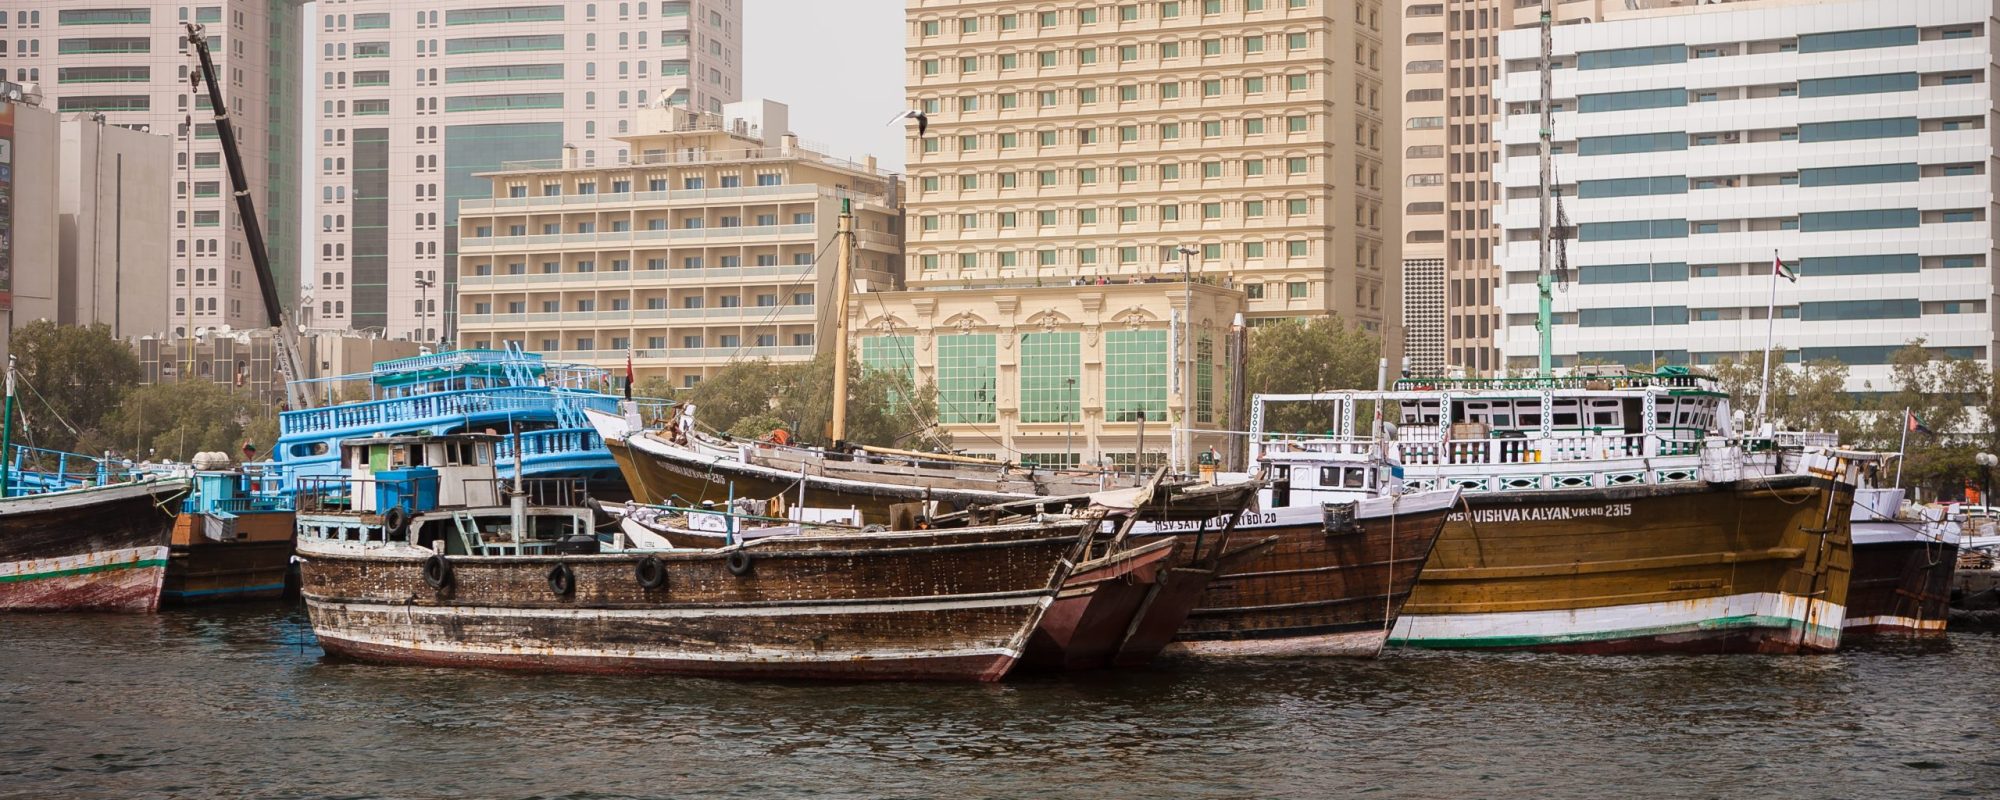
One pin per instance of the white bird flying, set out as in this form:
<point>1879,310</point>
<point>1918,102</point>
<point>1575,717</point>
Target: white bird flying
<point>923,120</point>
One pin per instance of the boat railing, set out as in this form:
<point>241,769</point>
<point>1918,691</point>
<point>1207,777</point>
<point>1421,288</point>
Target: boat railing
<point>251,504</point>
<point>420,409</point>
<point>560,441</point>
<point>34,470</point>
<point>1494,451</point>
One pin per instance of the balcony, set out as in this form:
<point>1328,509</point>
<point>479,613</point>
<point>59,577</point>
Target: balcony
<point>689,197</point>
<point>629,278</point>
<point>627,239</point>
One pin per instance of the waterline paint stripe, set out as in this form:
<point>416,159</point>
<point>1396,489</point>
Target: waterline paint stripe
<point>1719,625</point>
<point>84,570</point>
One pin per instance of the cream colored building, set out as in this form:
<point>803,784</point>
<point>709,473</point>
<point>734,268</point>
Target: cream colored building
<point>1079,142</point>
<point>1061,374</point>
<point>711,245</point>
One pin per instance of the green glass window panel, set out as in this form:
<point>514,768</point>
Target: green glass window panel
<point>1204,379</point>
<point>1051,370</point>
<point>504,72</point>
<point>1629,187</point>
<point>371,49</point>
<point>1633,273</point>
<point>369,22</point>
<point>1867,355</point>
<point>105,44</point>
<point>1632,143</point>
<point>477,16</point>
<point>134,74</point>
<point>504,44</point>
<point>1630,101</point>
<point>473,149</point>
<point>372,77</point>
<point>1858,84</point>
<point>120,102</point>
<point>208,14</point>
<point>1634,358</point>
<point>1632,229</point>
<point>1873,219</point>
<point>504,102</point>
<point>1892,308</point>
<point>895,355</point>
<point>1866,173</point>
<point>1631,316</point>
<point>104,16</point>
<point>967,373</point>
<point>1847,130</point>
<point>367,108</point>
<point>1960,262</point>
<point>1632,57</point>
<point>1857,40</point>
<point>1895,263</point>
<point>1135,375</point>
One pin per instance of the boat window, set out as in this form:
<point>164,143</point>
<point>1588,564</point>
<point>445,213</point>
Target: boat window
<point>1604,418</point>
<point>1329,476</point>
<point>1531,420</point>
<point>1566,414</point>
<point>1354,478</point>
<point>1281,486</point>
<point>1503,420</point>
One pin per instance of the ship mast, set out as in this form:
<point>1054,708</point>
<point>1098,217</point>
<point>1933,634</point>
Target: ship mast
<point>1544,277</point>
<point>841,281</point>
<point>7,428</point>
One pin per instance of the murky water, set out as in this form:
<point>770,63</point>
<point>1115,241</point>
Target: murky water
<point>239,702</point>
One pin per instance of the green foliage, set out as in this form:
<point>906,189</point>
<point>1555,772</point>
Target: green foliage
<point>1297,357</point>
<point>750,398</point>
<point>77,371</point>
<point>1804,397</point>
<point>177,420</point>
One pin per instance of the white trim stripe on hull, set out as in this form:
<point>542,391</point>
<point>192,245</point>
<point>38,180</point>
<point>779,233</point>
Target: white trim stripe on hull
<point>1613,623</point>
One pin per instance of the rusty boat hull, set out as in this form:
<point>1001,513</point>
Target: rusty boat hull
<point>1758,565</point>
<point>251,565</point>
<point>1902,580</point>
<point>1314,589</point>
<point>1087,625</point>
<point>931,605</point>
<point>95,549</point>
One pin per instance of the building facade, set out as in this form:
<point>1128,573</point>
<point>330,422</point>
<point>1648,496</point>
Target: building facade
<point>416,101</point>
<point>128,60</point>
<point>248,360</point>
<point>1138,149</point>
<point>710,244</point>
<point>1850,139</point>
<point>81,241</point>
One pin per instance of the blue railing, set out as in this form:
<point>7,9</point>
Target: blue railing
<point>33,470</point>
<point>557,441</point>
<point>254,504</point>
<point>431,408</point>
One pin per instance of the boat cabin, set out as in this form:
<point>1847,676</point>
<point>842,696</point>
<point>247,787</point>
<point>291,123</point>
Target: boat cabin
<point>421,473</point>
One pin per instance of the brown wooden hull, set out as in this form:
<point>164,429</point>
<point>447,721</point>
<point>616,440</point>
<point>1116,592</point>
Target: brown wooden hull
<point>1901,588</point>
<point>1311,593</point>
<point>956,605</point>
<point>252,567</point>
<point>1760,565</point>
<point>101,549</point>
<point>1095,610</point>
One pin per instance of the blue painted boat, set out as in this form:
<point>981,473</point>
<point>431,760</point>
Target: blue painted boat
<point>466,391</point>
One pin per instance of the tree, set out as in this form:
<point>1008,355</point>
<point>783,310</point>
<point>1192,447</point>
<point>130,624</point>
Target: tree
<point>70,376</point>
<point>1946,394</point>
<point>1807,397</point>
<point>177,420</point>
<point>1298,357</point>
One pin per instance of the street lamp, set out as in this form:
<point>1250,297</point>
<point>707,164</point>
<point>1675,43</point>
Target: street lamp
<point>1986,462</point>
<point>424,285</point>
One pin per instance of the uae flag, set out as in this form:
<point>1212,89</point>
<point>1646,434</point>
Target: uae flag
<point>1913,424</point>
<point>1779,269</point>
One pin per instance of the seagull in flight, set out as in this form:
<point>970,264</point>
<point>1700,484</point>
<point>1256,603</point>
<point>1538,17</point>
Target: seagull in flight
<point>923,121</point>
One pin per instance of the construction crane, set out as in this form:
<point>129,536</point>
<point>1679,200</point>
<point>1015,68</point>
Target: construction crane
<point>287,338</point>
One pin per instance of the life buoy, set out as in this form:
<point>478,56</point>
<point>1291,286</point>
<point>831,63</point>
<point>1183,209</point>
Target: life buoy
<point>395,521</point>
<point>650,572</point>
<point>739,563</point>
<point>875,527</point>
<point>562,580</point>
<point>437,572</point>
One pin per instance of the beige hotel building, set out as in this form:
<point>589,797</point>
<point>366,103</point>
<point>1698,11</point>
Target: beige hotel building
<point>709,245</point>
<point>1089,143</point>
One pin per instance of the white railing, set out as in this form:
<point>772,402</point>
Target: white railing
<point>703,276</point>
<point>631,238</point>
<point>1496,452</point>
<point>700,197</point>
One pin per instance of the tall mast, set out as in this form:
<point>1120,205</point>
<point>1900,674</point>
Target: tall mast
<point>7,428</point>
<point>1545,278</point>
<point>841,281</point>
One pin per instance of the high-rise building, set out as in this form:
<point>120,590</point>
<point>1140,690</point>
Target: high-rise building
<point>709,245</point>
<point>1849,138</point>
<point>81,242</point>
<point>129,61</point>
<point>414,101</point>
<point>1123,145</point>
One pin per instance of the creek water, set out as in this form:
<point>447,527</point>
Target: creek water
<point>241,702</point>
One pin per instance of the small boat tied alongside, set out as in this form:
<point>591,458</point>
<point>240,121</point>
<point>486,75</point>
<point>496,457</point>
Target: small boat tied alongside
<point>422,554</point>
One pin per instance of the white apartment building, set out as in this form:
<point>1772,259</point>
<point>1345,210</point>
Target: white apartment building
<point>1849,138</point>
<point>416,100</point>
<point>128,60</point>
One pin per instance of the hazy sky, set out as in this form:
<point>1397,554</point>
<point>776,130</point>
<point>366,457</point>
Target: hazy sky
<point>838,64</point>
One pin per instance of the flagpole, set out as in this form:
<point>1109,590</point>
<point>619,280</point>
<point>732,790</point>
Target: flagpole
<point>1770,337</point>
<point>1904,446</point>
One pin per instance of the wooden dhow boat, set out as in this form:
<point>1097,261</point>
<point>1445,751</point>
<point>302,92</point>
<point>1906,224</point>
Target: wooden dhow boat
<point>435,560</point>
<point>233,538</point>
<point>1904,558</point>
<point>1602,514</point>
